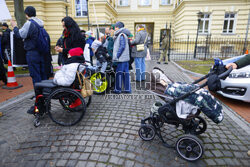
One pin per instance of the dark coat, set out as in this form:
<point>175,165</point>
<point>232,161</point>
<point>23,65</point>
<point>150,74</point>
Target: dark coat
<point>5,42</point>
<point>244,61</point>
<point>69,44</point>
<point>3,72</point>
<point>101,53</point>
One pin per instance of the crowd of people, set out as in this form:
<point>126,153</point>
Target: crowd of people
<point>116,45</point>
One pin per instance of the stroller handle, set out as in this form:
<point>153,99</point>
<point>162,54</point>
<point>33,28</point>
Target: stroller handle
<point>226,73</point>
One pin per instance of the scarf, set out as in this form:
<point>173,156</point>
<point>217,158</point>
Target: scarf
<point>140,29</point>
<point>75,59</point>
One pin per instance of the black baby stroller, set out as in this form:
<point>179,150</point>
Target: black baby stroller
<point>188,146</point>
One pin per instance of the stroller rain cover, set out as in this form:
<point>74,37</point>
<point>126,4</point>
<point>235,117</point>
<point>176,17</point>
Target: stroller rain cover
<point>201,98</point>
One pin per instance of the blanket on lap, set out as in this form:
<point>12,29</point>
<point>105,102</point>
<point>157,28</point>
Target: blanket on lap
<point>201,98</point>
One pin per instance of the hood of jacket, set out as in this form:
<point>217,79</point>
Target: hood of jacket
<point>122,30</point>
<point>38,21</point>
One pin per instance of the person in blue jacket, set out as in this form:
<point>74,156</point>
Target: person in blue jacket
<point>121,56</point>
<point>29,32</point>
<point>90,40</point>
<point>35,60</point>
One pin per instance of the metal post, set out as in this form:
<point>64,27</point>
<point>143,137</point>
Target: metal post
<point>206,48</point>
<point>187,46</point>
<point>88,13</point>
<point>199,20</point>
<point>169,45</point>
<point>245,43</point>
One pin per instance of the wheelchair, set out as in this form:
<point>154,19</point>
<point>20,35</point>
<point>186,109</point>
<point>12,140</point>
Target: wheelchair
<point>64,105</point>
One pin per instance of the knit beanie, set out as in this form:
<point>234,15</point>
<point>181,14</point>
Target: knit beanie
<point>112,26</point>
<point>30,11</point>
<point>76,52</point>
<point>95,45</point>
<point>119,24</point>
<point>5,25</point>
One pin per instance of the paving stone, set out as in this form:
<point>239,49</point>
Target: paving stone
<point>61,162</point>
<point>71,163</point>
<point>84,156</point>
<point>129,163</point>
<point>74,155</point>
<point>210,162</point>
<point>81,163</point>
<point>103,158</point>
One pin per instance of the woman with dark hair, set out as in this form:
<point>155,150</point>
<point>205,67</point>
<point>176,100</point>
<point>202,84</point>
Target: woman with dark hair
<point>72,37</point>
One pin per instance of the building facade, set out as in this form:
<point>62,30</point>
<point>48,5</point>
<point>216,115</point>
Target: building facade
<point>219,18</point>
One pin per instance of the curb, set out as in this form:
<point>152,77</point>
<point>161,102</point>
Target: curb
<point>232,114</point>
<point>16,99</point>
<point>22,75</point>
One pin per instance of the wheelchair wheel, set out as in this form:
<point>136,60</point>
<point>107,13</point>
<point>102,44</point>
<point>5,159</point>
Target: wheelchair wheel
<point>189,147</point>
<point>147,132</point>
<point>65,106</point>
<point>100,84</point>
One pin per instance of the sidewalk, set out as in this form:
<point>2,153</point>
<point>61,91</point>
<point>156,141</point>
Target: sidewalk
<point>6,94</point>
<point>108,136</point>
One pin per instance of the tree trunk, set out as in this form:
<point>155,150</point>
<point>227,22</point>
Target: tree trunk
<point>19,13</point>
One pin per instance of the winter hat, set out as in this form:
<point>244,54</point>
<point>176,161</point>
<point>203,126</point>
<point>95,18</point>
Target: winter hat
<point>95,45</point>
<point>76,52</point>
<point>88,33</point>
<point>119,24</point>
<point>130,36</point>
<point>112,26</point>
<point>30,11</point>
<point>5,25</point>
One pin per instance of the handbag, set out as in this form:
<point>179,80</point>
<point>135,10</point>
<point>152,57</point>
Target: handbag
<point>140,47</point>
<point>86,86</point>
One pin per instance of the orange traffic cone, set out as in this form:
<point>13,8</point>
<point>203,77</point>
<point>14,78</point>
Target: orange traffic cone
<point>246,52</point>
<point>11,83</point>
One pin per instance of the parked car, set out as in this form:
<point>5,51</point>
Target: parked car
<point>237,84</point>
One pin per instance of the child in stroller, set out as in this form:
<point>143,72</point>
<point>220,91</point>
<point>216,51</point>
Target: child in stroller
<point>182,105</point>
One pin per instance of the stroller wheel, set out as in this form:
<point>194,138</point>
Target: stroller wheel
<point>36,123</point>
<point>147,132</point>
<point>202,125</point>
<point>189,147</point>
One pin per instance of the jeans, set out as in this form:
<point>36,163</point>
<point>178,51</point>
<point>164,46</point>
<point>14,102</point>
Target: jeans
<point>122,77</point>
<point>36,66</point>
<point>140,68</point>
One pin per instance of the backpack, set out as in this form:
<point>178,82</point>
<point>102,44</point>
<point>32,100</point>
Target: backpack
<point>42,42</point>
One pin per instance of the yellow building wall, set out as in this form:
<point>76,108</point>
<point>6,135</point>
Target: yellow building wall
<point>160,15</point>
<point>186,19</point>
<point>182,15</point>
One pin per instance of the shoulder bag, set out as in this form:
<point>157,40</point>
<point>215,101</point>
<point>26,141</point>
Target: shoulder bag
<point>140,47</point>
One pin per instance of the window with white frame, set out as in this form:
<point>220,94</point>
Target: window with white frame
<point>81,8</point>
<point>229,23</point>
<point>145,2</point>
<point>166,2</point>
<point>123,2</point>
<point>204,27</point>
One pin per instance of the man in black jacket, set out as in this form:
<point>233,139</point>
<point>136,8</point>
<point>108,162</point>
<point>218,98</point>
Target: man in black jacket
<point>5,42</point>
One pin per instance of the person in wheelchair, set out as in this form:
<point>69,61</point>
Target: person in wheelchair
<point>101,54</point>
<point>66,75</point>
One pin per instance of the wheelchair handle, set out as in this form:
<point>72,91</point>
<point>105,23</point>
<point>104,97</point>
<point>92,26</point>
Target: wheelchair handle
<point>226,73</point>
